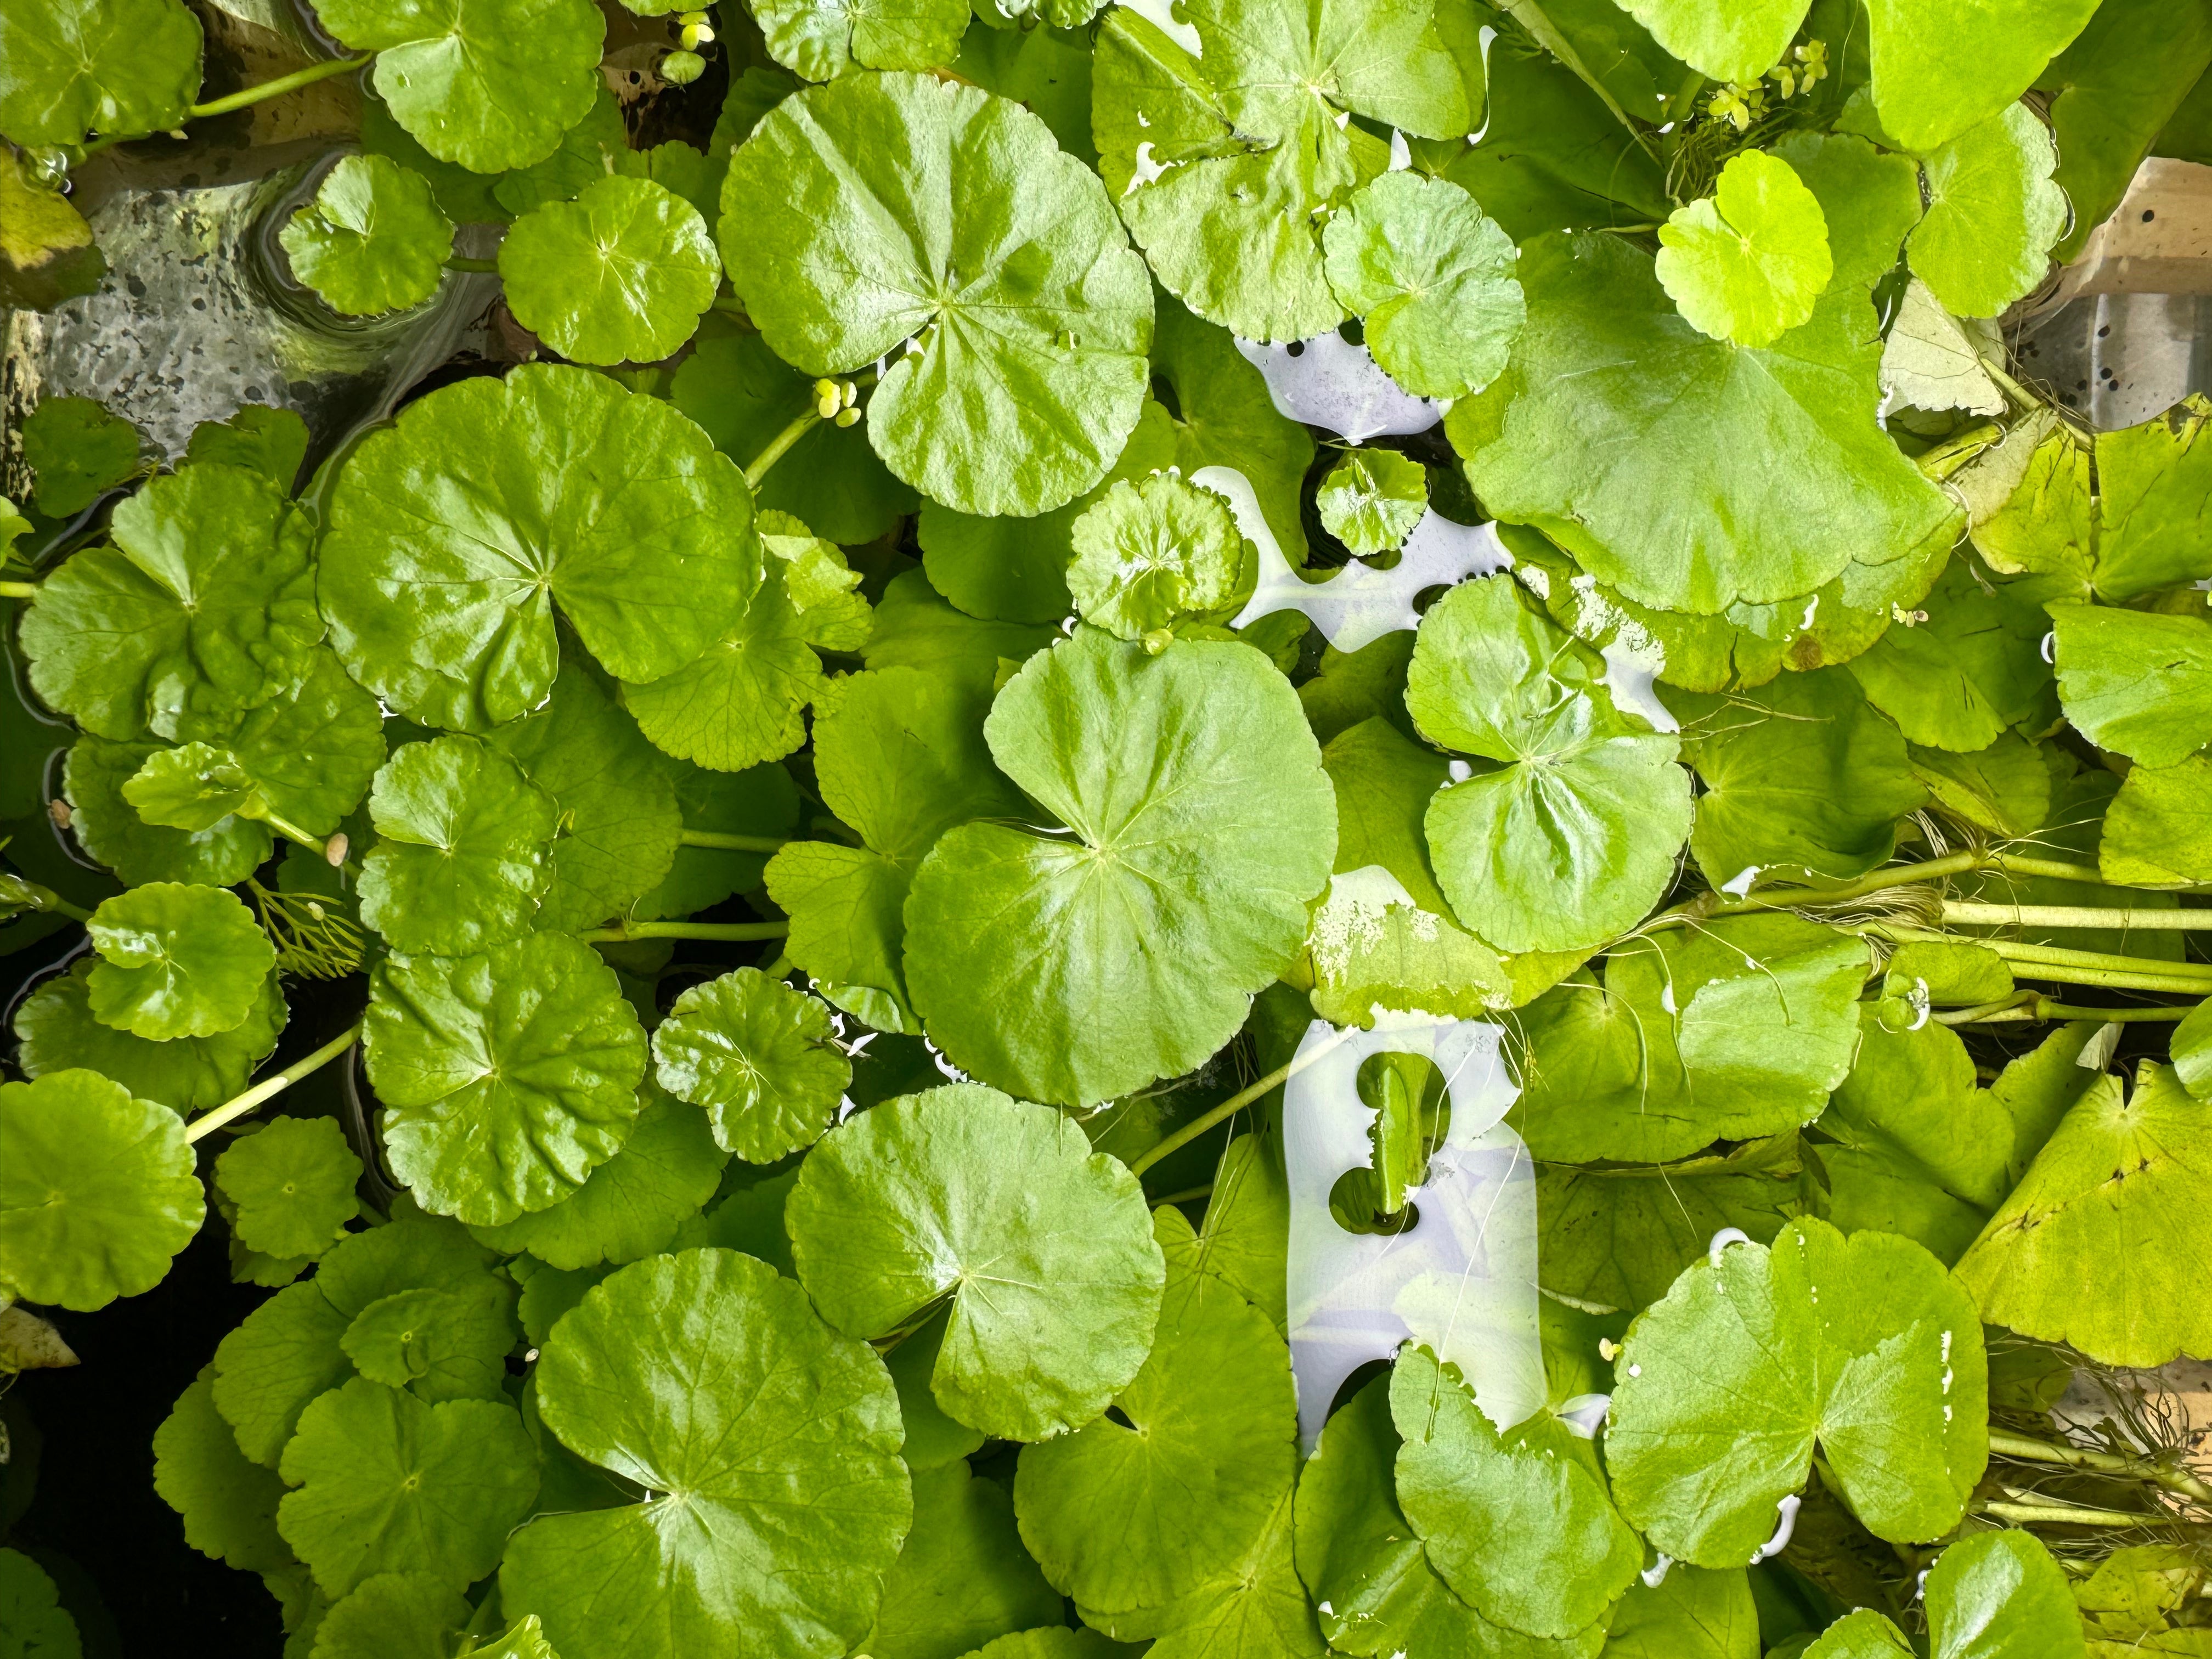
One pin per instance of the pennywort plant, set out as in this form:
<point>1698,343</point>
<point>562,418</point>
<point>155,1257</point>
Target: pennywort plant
<point>721,917</point>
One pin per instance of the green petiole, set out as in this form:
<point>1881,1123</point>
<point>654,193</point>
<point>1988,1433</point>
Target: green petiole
<point>1228,1108</point>
<point>279,86</point>
<point>2074,916</point>
<point>208,1122</point>
<point>19,590</point>
<point>2030,1450</point>
<point>724,844</point>
<point>730,932</point>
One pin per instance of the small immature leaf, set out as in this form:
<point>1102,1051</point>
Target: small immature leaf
<point>1993,213</point>
<point>1042,1245</point>
<point>109,828</point>
<point>58,1031</point>
<point>1748,263</point>
<point>1147,553</point>
<point>77,451</point>
<point>506,1077</point>
<point>885,208</point>
<point>1372,498</point>
<point>203,608</point>
<point>260,439</point>
<point>622,274</point>
<point>1571,837</point>
<point>384,1483</point>
<point>228,1503</point>
<point>821,39</point>
<point>771,1441</point>
<point>97,1192</point>
<point>1432,280</point>
<point>739,703</point>
<point>438,1344</point>
<point>291,1186</point>
<point>373,240</point>
<point>176,961</point>
<point>491,85</point>
<point>116,68</point>
<point>463,851</point>
<point>759,1057</point>
<point>1933,361</point>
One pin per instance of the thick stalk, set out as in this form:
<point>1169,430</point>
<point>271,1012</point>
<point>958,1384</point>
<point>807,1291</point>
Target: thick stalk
<point>2034,1008</point>
<point>1228,1108</point>
<point>2065,967</point>
<point>269,1088</point>
<point>2062,1515</point>
<point>279,86</point>
<point>781,444</point>
<point>2074,916</point>
<point>2030,1451</point>
<point>22,891</point>
<point>1715,905</point>
<point>727,931</point>
<point>721,842</point>
<point>19,590</point>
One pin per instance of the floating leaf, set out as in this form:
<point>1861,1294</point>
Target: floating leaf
<point>109,828</point>
<point>1372,499</point>
<point>118,67</point>
<point>1993,213</point>
<point>2135,681</point>
<point>394,1615</point>
<point>58,1031</point>
<point>1748,263</point>
<point>1149,552</point>
<point>1042,1244</point>
<point>964,1577</point>
<point>30,1606</point>
<point>1942,66</point>
<point>620,274</point>
<point>78,452</point>
<point>776,1527</point>
<point>759,1057</point>
<point>291,1185</point>
<point>176,961</point>
<point>824,41</point>
<point>258,438</point>
<point>1739,44</point>
<point>373,239</point>
<point>462,852</point>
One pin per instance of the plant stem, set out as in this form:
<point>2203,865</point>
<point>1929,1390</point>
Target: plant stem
<point>1228,1108</point>
<point>781,443</point>
<point>473,267</point>
<point>1715,905</point>
<point>292,832</point>
<point>208,1122</point>
<point>21,890</point>
<point>2074,916</point>
<point>716,839</point>
<point>2031,1450</point>
<point>2063,1515</point>
<point>1188,1195</point>
<point>2034,1007</point>
<point>19,590</point>
<point>279,86</point>
<point>2063,967</point>
<point>728,931</point>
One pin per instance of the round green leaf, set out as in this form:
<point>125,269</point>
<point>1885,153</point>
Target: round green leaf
<point>258,437</point>
<point>1147,553</point>
<point>770,1441</point>
<point>1433,279</point>
<point>2001,1593</point>
<point>97,1192</point>
<point>759,1057</point>
<point>57,1031</point>
<point>32,1618</point>
<point>2135,681</point>
<point>228,1503</point>
<point>1571,837</point>
<point>1659,445</point>
<point>888,207</point>
<point>78,452</point>
<point>822,41</point>
<point>455,531</point>
<point>506,1077</point>
<point>204,608</point>
<point>394,1615</point>
<point>1747,263</point>
<point>384,1483</point>
<point>963,1577</point>
<point>176,961</point>
<point>1043,1246</point>
<point>2089,1248</point>
<point>109,828</point>
<point>1993,213</point>
<point>633,1204</point>
<point>284,1356</point>
<point>436,1344</point>
<point>463,848</point>
<point>291,1185</point>
<point>1372,499</point>
<point>373,240</point>
<point>491,84</point>
<point>740,702</point>
<point>1519,1524</point>
<point>1199,814</point>
<point>1957,680</point>
<point>114,67</point>
<point>622,274</point>
<point>1865,1346</point>
<point>1942,66</point>
<point>1738,42</point>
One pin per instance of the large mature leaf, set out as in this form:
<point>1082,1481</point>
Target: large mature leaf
<point>506,1077</point>
<point>97,1192</point>
<point>463,851</point>
<point>176,961</point>
<point>1864,1347</point>
<point>1747,263</point>
<point>1150,1518</point>
<point>2158,830</point>
<point>1990,1594</point>
<point>394,1615</point>
<point>118,67</point>
<point>57,1031</point>
<point>2151,483</point>
<point>1993,213</point>
<point>2135,681</point>
<point>759,1057</point>
<point>202,608</point>
<point>452,534</point>
<point>1942,66</point>
<point>1205,821</point>
<point>1691,1613</point>
<point>623,273</point>
<point>1618,416</point>
<point>491,84</point>
<point>740,702</point>
<point>1800,775</point>
<point>384,1483</point>
<point>373,239</point>
<point>1042,1245</point>
<point>284,1356</point>
<point>1030,315</point>
<point>2099,1242</point>
<point>770,1441</point>
<point>1571,836</point>
<point>1226,165</point>
<point>1520,1524</point>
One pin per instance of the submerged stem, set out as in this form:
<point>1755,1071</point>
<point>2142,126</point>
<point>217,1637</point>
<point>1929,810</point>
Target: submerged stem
<point>279,86</point>
<point>208,1122</point>
<point>473,267</point>
<point>2062,1515</point>
<point>721,842</point>
<point>735,931</point>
